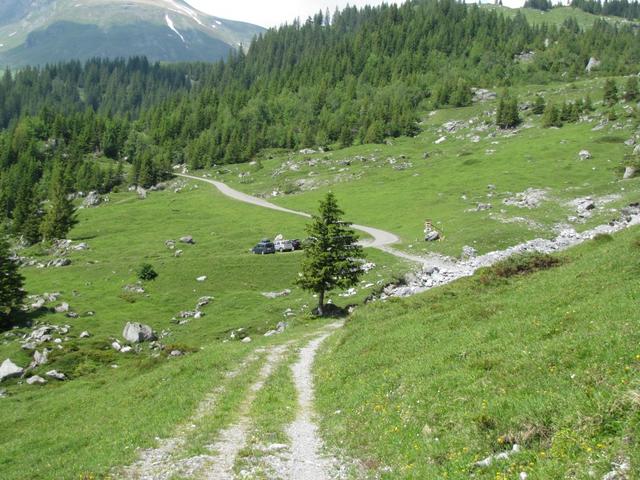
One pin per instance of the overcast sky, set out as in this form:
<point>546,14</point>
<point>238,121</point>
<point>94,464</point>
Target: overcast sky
<point>270,13</point>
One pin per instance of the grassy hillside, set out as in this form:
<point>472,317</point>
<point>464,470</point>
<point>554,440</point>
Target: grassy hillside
<point>395,187</point>
<point>425,387</point>
<point>97,419</point>
<point>556,16</point>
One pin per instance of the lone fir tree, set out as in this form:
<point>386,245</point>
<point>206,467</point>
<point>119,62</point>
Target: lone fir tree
<point>60,216</point>
<point>332,257</point>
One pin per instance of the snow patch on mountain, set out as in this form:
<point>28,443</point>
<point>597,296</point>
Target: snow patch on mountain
<point>172,27</point>
<point>187,11</point>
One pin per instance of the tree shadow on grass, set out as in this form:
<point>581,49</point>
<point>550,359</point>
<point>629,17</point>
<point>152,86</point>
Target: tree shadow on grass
<point>21,319</point>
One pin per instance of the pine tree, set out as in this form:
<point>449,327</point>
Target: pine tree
<point>331,258</point>
<point>610,94</point>
<point>60,217</point>
<point>551,116</point>
<point>11,282</point>
<point>507,115</point>
<point>538,105</point>
<point>631,89</point>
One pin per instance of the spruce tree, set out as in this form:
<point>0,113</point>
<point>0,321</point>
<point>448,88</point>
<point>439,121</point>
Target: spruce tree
<point>631,89</point>
<point>332,256</point>
<point>60,216</point>
<point>538,105</point>
<point>11,282</point>
<point>551,116</point>
<point>610,94</point>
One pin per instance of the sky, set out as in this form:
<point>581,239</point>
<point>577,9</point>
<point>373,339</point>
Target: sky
<point>271,13</point>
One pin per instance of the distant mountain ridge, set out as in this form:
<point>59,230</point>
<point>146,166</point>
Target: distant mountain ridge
<point>35,32</point>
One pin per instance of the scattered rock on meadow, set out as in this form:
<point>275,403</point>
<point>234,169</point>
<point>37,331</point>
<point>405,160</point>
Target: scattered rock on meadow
<point>431,236</point>
<point>530,198</point>
<point>8,369</point>
<point>142,193</point>
<point>246,340</point>
<point>126,349</point>
<point>40,358</point>
<point>57,263</point>
<point>620,470</point>
<point>636,151</point>
<point>584,155</point>
<point>188,239</point>
<point>55,374</point>
<point>92,200</point>
<point>469,252</point>
<point>498,456</point>
<point>116,346</point>
<point>629,173</point>
<point>272,295</point>
<point>134,288</point>
<point>36,380</point>
<point>593,64</point>
<point>176,353</point>
<point>85,334</point>
<point>137,332</point>
<point>62,308</point>
<point>203,278</point>
<point>483,206</point>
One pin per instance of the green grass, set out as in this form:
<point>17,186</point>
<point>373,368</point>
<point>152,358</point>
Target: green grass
<point>549,360</point>
<point>96,420</point>
<point>556,16</point>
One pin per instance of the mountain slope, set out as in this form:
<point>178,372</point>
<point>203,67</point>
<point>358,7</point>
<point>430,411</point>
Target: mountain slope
<point>35,32</point>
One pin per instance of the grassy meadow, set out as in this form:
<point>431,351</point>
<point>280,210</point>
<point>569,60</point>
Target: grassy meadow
<point>96,420</point>
<point>426,387</point>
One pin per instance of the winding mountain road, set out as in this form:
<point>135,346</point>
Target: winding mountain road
<point>380,239</point>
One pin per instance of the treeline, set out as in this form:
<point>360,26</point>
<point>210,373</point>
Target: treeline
<point>109,87</point>
<point>544,5</point>
<point>616,8</point>
<point>357,76</point>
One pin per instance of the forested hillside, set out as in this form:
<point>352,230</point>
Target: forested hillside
<point>357,76</point>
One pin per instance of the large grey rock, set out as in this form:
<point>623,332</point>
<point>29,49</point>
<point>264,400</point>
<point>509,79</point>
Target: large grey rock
<point>9,369</point>
<point>36,380</point>
<point>629,172</point>
<point>431,236</point>
<point>40,358</point>
<point>636,151</point>
<point>593,64</point>
<point>584,155</point>
<point>188,239</point>
<point>56,374</point>
<point>138,332</point>
<point>469,252</point>
<point>142,193</point>
<point>92,200</point>
<point>62,308</point>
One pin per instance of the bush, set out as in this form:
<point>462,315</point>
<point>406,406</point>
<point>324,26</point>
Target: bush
<point>516,265</point>
<point>146,272</point>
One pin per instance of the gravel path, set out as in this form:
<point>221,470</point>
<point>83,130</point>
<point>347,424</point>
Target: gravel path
<point>306,460</point>
<point>380,238</point>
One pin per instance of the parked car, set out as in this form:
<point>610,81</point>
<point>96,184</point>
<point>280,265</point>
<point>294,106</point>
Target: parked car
<point>284,246</point>
<point>265,247</point>
<point>297,244</point>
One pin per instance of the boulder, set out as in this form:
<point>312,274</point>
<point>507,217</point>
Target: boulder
<point>593,64</point>
<point>469,252</point>
<point>92,200</point>
<point>272,295</point>
<point>636,151</point>
<point>40,358</point>
<point>116,346</point>
<point>142,193</point>
<point>85,334</point>
<point>176,353</point>
<point>584,155</point>
<point>56,374</point>
<point>203,278</point>
<point>8,369</point>
<point>126,349</point>
<point>36,380</point>
<point>188,239</point>
<point>57,263</point>
<point>138,332</point>
<point>483,95</point>
<point>431,236</point>
<point>629,172</point>
<point>62,308</point>
<point>246,340</point>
